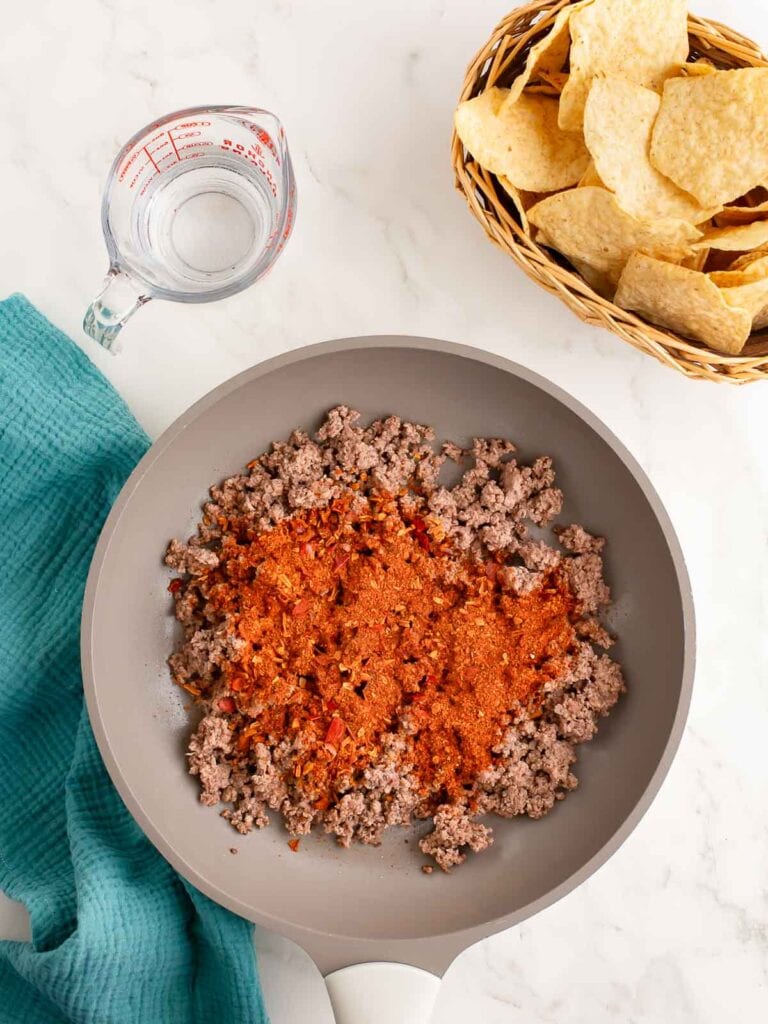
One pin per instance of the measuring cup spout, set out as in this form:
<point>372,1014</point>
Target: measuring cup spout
<point>118,299</point>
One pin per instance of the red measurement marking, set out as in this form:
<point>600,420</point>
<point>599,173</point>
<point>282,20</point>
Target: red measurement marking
<point>150,158</point>
<point>174,146</point>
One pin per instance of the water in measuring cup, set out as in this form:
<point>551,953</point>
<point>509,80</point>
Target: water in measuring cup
<point>204,225</point>
<point>198,206</point>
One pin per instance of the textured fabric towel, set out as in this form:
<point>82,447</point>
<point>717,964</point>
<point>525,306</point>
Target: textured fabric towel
<point>117,936</point>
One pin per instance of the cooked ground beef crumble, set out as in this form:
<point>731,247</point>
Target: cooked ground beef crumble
<point>486,517</point>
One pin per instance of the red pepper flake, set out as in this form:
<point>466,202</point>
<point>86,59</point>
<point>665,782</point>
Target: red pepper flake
<point>300,608</point>
<point>420,533</point>
<point>335,731</point>
<point>227,704</point>
<point>293,844</point>
<point>174,586</point>
<point>340,562</point>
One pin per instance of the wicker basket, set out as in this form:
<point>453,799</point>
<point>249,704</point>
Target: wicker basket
<point>498,63</point>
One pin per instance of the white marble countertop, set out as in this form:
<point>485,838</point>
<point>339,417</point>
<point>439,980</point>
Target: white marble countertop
<point>675,927</point>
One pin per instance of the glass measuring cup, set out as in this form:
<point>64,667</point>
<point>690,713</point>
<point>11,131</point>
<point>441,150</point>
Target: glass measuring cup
<point>198,205</point>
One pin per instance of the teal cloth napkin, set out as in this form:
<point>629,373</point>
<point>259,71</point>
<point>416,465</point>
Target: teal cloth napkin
<point>117,936</point>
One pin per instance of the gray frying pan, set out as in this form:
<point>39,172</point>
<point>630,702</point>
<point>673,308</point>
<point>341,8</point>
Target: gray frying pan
<point>373,906</point>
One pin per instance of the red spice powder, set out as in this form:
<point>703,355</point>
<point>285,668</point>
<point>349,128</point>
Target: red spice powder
<point>357,614</point>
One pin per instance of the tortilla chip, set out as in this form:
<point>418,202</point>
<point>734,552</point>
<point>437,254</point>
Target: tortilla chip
<point>618,123</point>
<point>644,41</point>
<point>521,141</point>
<point>711,135</point>
<point>746,274</point>
<point>596,279</point>
<point>683,300</point>
<point>556,79</point>
<point>523,200</point>
<point>542,89</point>
<point>697,68</point>
<point>587,224</point>
<point>751,207</point>
<point>696,261</point>
<point>761,320</point>
<point>741,215</point>
<point>752,296</point>
<point>591,177</point>
<point>748,259</point>
<point>548,55</point>
<point>735,237</point>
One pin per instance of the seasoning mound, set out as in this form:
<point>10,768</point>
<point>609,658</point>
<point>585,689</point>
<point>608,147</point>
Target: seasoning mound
<point>370,647</point>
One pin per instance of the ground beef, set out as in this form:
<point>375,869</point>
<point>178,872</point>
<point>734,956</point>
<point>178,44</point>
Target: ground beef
<point>487,514</point>
<point>575,538</point>
<point>455,831</point>
<point>452,451</point>
<point>190,559</point>
<point>592,629</point>
<point>585,575</point>
<point>518,579</point>
<point>538,556</point>
<point>209,748</point>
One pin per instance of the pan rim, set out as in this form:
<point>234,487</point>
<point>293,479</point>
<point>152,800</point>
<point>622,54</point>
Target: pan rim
<point>458,938</point>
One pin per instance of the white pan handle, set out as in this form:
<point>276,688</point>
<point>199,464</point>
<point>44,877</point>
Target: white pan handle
<point>382,993</point>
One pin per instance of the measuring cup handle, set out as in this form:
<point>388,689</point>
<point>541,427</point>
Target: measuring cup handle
<point>118,299</point>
